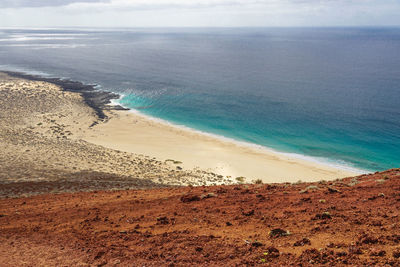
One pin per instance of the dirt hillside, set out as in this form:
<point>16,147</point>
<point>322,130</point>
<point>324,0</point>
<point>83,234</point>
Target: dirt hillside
<point>352,221</point>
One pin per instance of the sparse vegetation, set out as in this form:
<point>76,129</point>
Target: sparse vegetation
<point>258,181</point>
<point>240,179</point>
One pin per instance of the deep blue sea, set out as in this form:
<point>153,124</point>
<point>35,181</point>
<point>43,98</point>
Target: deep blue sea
<point>329,93</point>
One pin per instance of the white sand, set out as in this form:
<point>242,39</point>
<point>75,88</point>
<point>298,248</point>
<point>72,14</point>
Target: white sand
<point>132,132</point>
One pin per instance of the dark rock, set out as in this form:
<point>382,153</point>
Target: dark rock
<point>333,190</point>
<point>221,191</point>
<point>355,250</point>
<point>341,254</point>
<point>261,197</point>
<point>208,195</point>
<point>96,99</point>
<point>302,242</point>
<point>366,239</point>
<point>323,216</point>
<point>190,198</point>
<point>272,252</point>
<point>99,255</point>
<point>278,232</point>
<point>248,213</point>
<point>377,253</point>
<point>162,220</point>
<point>311,256</point>
<point>396,253</point>
<point>257,244</point>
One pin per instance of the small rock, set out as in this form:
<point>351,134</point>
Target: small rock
<point>302,242</point>
<point>228,224</point>
<point>377,253</point>
<point>333,190</point>
<point>209,195</point>
<point>323,216</point>
<point>355,250</point>
<point>257,244</point>
<point>190,198</point>
<point>248,213</point>
<point>272,252</point>
<point>278,232</point>
<point>396,253</point>
<point>162,220</point>
<point>366,239</point>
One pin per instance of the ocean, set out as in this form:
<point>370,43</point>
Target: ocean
<point>327,94</point>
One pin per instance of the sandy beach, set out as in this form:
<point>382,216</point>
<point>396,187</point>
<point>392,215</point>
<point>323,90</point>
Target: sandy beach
<point>42,146</point>
<point>45,128</point>
<point>133,132</point>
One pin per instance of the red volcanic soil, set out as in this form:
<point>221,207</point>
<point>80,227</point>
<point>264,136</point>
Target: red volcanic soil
<point>352,221</point>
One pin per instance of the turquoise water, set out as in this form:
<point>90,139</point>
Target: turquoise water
<point>331,94</point>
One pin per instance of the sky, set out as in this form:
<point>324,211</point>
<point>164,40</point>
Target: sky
<point>198,13</point>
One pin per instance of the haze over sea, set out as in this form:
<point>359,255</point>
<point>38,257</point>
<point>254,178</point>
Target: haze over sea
<point>329,93</point>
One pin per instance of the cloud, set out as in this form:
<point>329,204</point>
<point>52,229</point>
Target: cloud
<point>155,4</point>
<point>42,3</point>
<point>198,13</point>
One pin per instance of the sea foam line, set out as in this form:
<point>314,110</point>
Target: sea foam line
<point>319,160</point>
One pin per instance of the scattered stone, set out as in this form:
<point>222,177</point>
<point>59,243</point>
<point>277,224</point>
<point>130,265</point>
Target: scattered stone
<point>377,196</point>
<point>305,199</point>
<point>311,255</point>
<point>209,195</point>
<point>302,242</point>
<point>222,191</point>
<point>396,253</point>
<point>228,224</point>
<point>323,216</point>
<point>333,190</point>
<point>278,232</point>
<point>377,252</point>
<point>99,255</point>
<point>272,252</point>
<point>257,244</point>
<point>162,220</point>
<point>366,239</point>
<point>355,250</point>
<point>341,254</point>
<point>190,198</point>
<point>248,213</point>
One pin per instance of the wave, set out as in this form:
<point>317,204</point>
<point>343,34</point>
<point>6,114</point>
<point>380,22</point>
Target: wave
<point>337,164</point>
<point>28,71</point>
<point>45,46</point>
<point>25,38</point>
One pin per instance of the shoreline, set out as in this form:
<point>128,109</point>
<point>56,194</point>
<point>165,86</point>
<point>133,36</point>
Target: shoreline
<point>224,156</point>
<point>131,131</point>
<point>98,100</point>
<point>102,100</point>
<point>245,144</point>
